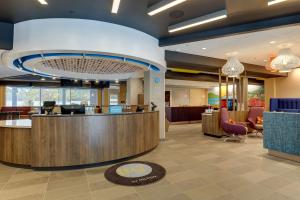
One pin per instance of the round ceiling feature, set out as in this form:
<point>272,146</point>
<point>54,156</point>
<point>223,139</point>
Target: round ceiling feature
<point>86,65</point>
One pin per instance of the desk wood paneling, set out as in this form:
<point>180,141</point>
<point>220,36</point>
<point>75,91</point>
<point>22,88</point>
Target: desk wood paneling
<point>79,140</point>
<point>15,145</point>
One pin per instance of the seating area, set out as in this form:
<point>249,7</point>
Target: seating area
<point>255,119</point>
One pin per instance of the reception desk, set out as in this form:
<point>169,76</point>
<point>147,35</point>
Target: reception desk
<point>71,140</point>
<point>282,134</point>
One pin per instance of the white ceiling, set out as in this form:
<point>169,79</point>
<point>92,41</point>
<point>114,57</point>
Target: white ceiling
<point>253,48</point>
<point>5,71</point>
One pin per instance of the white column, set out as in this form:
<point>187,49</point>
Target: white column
<point>134,87</point>
<point>154,91</point>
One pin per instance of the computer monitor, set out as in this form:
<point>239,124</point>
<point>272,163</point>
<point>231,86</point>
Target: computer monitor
<point>75,109</point>
<point>140,109</point>
<point>115,109</point>
<point>48,106</point>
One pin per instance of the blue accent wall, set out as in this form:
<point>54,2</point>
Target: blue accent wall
<point>282,132</point>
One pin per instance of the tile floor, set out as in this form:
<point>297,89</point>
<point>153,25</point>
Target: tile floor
<point>198,167</point>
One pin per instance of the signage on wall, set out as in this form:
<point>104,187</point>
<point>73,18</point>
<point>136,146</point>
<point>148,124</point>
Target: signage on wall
<point>156,80</point>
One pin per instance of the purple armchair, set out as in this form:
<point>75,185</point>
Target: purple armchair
<point>234,130</point>
<point>255,112</point>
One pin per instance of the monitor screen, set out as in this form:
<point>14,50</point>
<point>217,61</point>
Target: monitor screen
<point>75,109</point>
<point>49,103</point>
<point>115,109</point>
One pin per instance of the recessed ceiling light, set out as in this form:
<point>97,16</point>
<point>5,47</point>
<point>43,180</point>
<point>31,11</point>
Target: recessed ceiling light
<point>198,21</point>
<point>43,2</point>
<point>272,2</point>
<point>204,48</point>
<point>265,60</point>
<point>117,81</point>
<point>97,82</point>
<point>115,7</point>
<point>43,79</point>
<point>272,42</point>
<point>54,78</point>
<point>163,5</point>
<point>86,81</point>
<point>75,80</point>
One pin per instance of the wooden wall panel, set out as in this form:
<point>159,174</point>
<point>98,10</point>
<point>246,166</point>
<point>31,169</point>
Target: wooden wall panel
<point>77,140</point>
<point>2,96</point>
<point>123,92</point>
<point>15,145</point>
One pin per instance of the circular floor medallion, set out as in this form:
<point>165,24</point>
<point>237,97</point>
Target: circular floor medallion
<point>135,173</point>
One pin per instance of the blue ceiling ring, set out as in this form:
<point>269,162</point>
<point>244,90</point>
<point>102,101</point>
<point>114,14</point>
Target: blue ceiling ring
<point>19,63</point>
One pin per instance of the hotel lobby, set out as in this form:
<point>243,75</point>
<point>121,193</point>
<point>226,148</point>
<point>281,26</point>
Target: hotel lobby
<point>149,99</point>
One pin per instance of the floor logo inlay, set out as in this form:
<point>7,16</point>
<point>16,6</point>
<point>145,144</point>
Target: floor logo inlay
<point>135,173</point>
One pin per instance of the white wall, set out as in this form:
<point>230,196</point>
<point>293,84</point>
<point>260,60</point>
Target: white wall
<point>154,91</point>
<point>185,96</point>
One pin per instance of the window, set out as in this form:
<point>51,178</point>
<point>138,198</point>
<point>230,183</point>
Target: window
<point>113,99</point>
<point>21,96</point>
<point>35,96</point>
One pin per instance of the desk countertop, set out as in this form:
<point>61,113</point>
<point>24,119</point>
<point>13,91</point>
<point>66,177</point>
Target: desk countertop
<point>26,123</point>
<point>97,114</point>
<point>21,123</point>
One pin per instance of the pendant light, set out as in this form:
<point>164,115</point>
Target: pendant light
<point>233,67</point>
<point>285,61</point>
<point>269,66</point>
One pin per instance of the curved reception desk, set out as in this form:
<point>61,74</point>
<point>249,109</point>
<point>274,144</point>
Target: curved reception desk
<point>72,140</point>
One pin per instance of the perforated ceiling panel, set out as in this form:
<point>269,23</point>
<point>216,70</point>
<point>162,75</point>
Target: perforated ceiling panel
<point>79,65</point>
<point>89,65</point>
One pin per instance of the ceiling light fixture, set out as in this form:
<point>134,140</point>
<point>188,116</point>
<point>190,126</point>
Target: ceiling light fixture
<point>117,81</point>
<point>43,79</point>
<point>204,48</point>
<point>198,21</point>
<point>163,5</point>
<point>233,67</point>
<point>272,42</point>
<point>272,2</point>
<point>268,65</point>
<point>115,6</point>
<point>285,61</point>
<point>43,2</point>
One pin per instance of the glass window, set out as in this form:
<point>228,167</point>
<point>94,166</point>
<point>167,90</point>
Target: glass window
<point>80,96</point>
<point>35,96</point>
<point>22,96</point>
<point>113,99</point>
